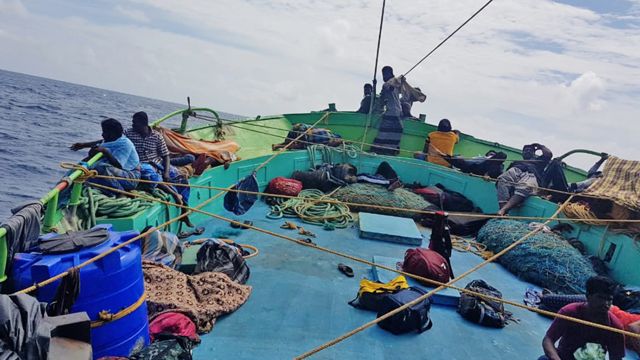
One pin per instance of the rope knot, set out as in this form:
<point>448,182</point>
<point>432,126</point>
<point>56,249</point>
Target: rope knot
<point>86,173</point>
<point>105,315</point>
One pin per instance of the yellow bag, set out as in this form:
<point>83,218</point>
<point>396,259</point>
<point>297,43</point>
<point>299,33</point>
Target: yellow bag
<point>371,292</point>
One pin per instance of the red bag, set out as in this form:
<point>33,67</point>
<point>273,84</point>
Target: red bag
<point>284,186</point>
<point>426,263</point>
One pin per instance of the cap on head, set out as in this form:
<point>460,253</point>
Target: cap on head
<point>141,118</point>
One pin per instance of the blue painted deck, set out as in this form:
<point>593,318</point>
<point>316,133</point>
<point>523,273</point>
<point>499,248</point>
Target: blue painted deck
<point>299,301</point>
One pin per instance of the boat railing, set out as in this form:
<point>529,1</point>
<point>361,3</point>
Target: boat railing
<point>52,214</point>
<point>186,114</point>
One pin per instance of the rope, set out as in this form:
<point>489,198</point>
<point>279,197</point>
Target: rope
<point>357,142</point>
<point>382,207</point>
<point>448,37</point>
<point>442,168</point>
<point>150,230</point>
<point>426,280</point>
<point>472,246</point>
<point>120,246</point>
<point>375,81</point>
<point>106,317</point>
<point>86,173</point>
<point>283,149</point>
<point>581,212</point>
<point>430,293</point>
<point>312,211</point>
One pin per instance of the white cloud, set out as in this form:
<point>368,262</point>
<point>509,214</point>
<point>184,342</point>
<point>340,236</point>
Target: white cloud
<point>526,71</point>
<point>9,7</point>
<point>134,14</point>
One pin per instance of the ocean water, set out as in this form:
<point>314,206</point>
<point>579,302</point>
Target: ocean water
<point>40,118</point>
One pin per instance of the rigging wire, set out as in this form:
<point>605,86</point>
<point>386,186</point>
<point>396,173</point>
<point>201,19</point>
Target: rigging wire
<point>448,37</point>
<point>374,82</point>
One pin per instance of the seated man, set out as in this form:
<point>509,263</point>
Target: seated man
<point>574,336</point>
<point>152,149</point>
<point>522,178</point>
<point>439,144</point>
<point>119,158</point>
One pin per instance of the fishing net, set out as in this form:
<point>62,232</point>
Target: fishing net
<point>544,259</point>
<point>372,194</point>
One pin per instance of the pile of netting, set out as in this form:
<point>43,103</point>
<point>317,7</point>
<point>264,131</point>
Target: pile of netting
<point>312,211</point>
<point>94,203</point>
<point>545,259</point>
<point>372,194</point>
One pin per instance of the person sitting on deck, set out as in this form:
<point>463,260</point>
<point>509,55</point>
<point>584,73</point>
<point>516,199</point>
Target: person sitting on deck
<point>152,149</point>
<point>119,158</point>
<point>440,143</point>
<point>573,336</point>
<point>438,147</point>
<point>522,178</point>
<point>365,103</point>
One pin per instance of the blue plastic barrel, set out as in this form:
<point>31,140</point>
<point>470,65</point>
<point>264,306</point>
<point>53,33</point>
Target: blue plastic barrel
<point>112,283</point>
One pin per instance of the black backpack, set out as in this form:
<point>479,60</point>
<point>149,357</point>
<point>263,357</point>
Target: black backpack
<point>414,318</point>
<point>489,313</point>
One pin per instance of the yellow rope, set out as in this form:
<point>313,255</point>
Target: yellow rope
<point>166,223</point>
<point>580,212</point>
<point>417,277</point>
<point>383,207</point>
<point>430,293</point>
<point>444,168</point>
<point>86,173</point>
<point>106,316</point>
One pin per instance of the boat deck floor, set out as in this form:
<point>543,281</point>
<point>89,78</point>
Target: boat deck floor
<point>299,301</point>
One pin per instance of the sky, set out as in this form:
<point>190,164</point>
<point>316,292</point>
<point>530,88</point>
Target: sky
<point>562,73</point>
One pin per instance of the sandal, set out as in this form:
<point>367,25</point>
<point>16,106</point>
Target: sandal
<point>346,270</point>
<point>308,241</point>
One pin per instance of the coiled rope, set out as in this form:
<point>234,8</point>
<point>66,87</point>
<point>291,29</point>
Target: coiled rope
<point>309,209</point>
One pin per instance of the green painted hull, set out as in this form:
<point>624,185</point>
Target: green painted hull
<point>256,146</point>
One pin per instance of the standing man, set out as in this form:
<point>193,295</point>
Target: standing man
<point>522,178</point>
<point>574,336</point>
<point>390,130</point>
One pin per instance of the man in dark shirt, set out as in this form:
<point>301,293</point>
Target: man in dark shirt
<point>574,336</point>
<point>365,104</point>
<point>152,149</point>
<point>521,179</point>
